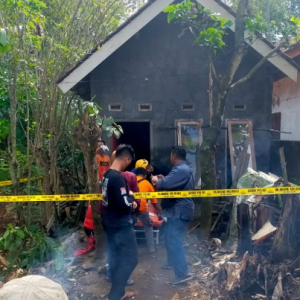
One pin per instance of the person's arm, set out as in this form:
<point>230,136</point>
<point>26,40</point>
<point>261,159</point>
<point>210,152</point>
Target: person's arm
<point>157,208</point>
<point>135,187</point>
<point>173,181</point>
<point>124,199</point>
<point>154,201</point>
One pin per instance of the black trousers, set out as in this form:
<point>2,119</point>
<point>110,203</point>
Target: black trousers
<point>123,258</point>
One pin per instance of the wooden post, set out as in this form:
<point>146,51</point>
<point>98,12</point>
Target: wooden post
<point>283,165</point>
<point>281,248</point>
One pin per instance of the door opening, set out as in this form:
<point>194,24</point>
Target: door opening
<point>136,134</point>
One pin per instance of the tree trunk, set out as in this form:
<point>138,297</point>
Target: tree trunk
<point>208,167</point>
<point>281,247</point>
<point>207,150</point>
<point>233,229</point>
<point>14,166</point>
<point>210,92</point>
<point>86,134</point>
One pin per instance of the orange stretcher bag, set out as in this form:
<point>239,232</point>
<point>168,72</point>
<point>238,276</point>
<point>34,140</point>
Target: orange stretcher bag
<point>153,215</point>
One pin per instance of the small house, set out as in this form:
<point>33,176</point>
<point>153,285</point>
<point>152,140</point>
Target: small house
<point>286,121</point>
<point>154,82</point>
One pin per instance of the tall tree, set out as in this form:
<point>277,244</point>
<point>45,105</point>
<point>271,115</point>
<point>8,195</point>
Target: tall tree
<point>275,13</point>
<point>44,38</point>
<point>209,30</point>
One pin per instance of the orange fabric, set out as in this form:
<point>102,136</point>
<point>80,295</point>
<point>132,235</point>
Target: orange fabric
<point>154,217</point>
<point>88,221</point>
<point>145,186</point>
<point>103,163</point>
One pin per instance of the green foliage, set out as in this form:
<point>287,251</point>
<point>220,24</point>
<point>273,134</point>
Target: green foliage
<point>4,168</point>
<point>4,128</point>
<point>107,124</point>
<point>282,15</point>
<point>27,249</point>
<point>256,23</point>
<point>4,110</point>
<point>3,38</point>
<point>71,166</point>
<point>4,45</point>
<point>207,27</point>
<point>44,39</point>
<point>111,128</point>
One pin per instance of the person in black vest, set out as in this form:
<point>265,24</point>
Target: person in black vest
<point>178,211</point>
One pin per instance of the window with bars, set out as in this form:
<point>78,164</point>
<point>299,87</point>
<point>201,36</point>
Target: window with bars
<point>145,107</point>
<point>115,107</point>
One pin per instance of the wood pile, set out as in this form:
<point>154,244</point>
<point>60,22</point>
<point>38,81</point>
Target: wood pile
<point>264,261</point>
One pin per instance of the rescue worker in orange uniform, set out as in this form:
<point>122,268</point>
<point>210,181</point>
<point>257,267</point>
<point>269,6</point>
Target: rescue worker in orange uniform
<point>143,215</point>
<point>103,160</point>
<point>103,163</point>
<point>89,231</point>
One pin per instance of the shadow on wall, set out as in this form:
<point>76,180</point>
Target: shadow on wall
<point>291,151</point>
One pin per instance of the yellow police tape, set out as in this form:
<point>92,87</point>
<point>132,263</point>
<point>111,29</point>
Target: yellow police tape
<point>160,195</point>
<point>9,182</point>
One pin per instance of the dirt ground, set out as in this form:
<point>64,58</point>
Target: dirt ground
<point>82,281</point>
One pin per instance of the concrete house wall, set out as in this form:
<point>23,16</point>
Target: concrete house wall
<point>159,68</point>
<point>286,105</point>
<point>286,100</point>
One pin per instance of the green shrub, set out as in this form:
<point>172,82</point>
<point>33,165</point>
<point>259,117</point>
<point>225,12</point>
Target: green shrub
<point>27,249</point>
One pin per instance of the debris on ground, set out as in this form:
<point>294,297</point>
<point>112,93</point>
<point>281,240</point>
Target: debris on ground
<point>262,234</point>
<point>176,297</point>
<point>264,263</point>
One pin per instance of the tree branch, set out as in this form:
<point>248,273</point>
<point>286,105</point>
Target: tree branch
<point>239,45</point>
<point>257,66</point>
<point>215,73</point>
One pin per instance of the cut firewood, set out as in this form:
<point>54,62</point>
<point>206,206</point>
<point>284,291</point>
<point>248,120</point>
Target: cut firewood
<point>266,231</point>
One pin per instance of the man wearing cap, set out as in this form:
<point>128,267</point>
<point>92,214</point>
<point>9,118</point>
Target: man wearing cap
<point>144,187</point>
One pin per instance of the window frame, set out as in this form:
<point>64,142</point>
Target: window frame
<point>251,143</point>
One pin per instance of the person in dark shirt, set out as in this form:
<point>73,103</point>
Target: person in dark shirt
<point>156,169</point>
<point>118,203</point>
<point>178,211</point>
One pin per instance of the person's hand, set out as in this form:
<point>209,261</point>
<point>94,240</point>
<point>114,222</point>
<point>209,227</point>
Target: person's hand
<point>134,205</point>
<point>160,176</point>
<point>160,218</point>
<point>131,193</point>
<point>154,180</point>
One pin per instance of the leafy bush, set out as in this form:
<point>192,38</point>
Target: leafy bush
<point>27,249</point>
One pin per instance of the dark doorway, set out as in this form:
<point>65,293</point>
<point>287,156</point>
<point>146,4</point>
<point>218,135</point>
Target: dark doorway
<point>136,134</point>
